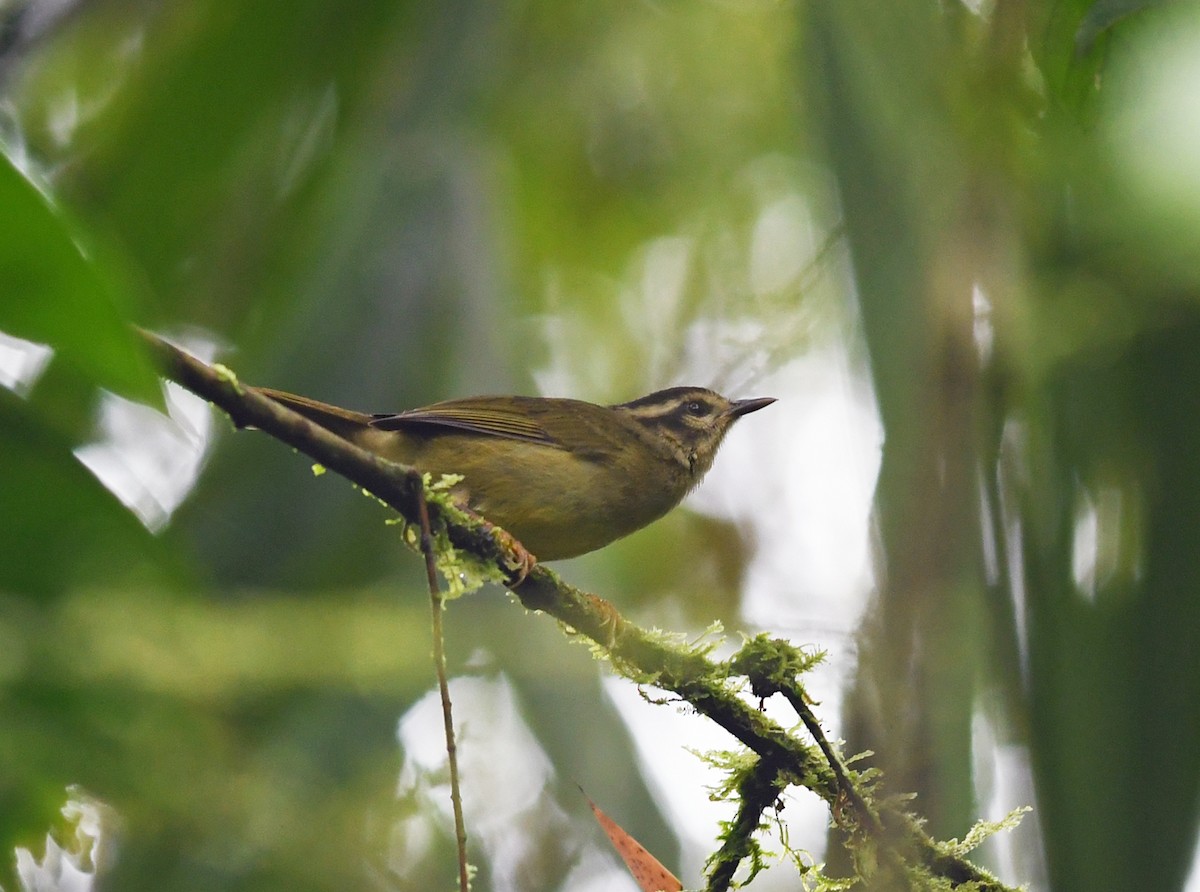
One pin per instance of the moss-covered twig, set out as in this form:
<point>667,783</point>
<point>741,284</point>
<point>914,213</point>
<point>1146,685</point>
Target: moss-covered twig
<point>758,788</point>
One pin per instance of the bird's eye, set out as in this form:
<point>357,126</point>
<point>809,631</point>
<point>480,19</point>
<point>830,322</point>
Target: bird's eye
<point>695,407</point>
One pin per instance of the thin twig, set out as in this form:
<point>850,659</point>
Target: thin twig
<point>847,790</point>
<point>437,605</point>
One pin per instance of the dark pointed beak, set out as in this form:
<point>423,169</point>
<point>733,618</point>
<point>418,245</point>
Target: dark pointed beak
<point>745,407</point>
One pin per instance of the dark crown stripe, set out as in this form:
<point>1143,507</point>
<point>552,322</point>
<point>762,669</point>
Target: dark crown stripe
<point>667,400</point>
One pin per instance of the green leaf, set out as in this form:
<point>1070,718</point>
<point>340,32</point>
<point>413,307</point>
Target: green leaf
<point>62,527</point>
<point>54,291</point>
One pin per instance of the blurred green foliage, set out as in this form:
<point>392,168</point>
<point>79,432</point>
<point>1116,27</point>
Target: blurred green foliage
<point>982,221</point>
<point>391,205</point>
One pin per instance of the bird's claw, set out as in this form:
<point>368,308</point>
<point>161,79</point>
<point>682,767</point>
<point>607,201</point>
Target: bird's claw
<point>521,564</point>
<point>610,620</point>
<point>518,561</point>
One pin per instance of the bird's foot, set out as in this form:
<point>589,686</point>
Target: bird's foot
<point>610,622</point>
<point>518,561</point>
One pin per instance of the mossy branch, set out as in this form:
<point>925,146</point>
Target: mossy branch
<point>892,851</point>
<point>757,787</point>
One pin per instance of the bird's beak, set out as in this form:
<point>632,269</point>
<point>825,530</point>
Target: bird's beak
<point>745,407</point>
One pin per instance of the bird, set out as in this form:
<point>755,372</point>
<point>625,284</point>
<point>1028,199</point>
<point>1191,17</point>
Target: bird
<point>562,476</point>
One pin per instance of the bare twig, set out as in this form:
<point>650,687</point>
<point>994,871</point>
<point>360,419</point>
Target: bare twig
<point>437,606</point>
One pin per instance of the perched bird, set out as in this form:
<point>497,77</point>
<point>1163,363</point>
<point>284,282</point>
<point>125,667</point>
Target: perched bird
<point>563,476</point>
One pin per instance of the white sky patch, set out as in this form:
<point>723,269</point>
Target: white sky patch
<point>984,331</point>
<point>1193,880</point>
<point>504,771</point>
<point>1096,545</point>
<point>598,872</point>
<point>72,868</point>
<point>1155,131</point>
<point>1004,782</point>
<point>798,477</point>
<point>22,363</point>
<point>654,302</point>
<point>1084,548</point>
<point>780,245</point>
<point>148,460</point>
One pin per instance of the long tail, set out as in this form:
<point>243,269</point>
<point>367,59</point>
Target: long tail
<point>342,422</point>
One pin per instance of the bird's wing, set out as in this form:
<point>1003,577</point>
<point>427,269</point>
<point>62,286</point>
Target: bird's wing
<point>484,416</point>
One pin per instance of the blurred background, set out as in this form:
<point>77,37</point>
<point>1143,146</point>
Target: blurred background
<point>957,240</point>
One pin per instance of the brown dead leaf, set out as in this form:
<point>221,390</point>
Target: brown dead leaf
<point>647,870</point>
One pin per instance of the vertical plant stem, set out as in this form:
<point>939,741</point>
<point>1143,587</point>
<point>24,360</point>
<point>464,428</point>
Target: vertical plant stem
<point>437,605</point>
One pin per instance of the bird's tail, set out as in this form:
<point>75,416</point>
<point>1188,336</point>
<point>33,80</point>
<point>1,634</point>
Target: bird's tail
<point>343,422</point>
